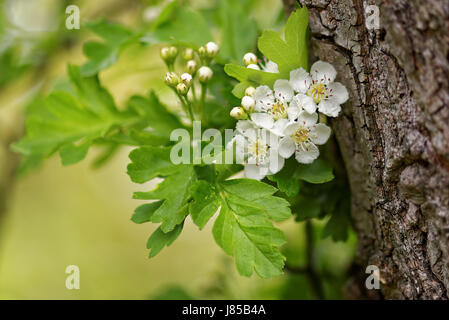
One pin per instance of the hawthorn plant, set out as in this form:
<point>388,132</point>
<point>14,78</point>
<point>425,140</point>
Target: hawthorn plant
<point>278,105</point>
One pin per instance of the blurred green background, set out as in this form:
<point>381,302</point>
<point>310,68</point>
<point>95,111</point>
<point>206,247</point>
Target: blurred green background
<point>58,216</point>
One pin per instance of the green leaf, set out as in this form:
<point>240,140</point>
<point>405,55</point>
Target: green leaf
<point>160,239</point>
<point>239,89</point>
<point>161,122</point>
<point>71,123</point>
<point>150,162</point>
<point>180,25</point>
<point>275,49</point>
<point>339,222</point>
<point>291,53</point>
<point>243,228</point>
<point>285,178</point>
<point>307,207</point>
<point>318,171</point>
<point>145,212</point>
<point>205,203</point>
<point>296,34</point>
<point>102,55</point>
<point>253,76</point>
<point>175,190</point>
<point>239,31</point>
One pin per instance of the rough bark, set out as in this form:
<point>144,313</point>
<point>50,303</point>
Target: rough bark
<point>393,134</point>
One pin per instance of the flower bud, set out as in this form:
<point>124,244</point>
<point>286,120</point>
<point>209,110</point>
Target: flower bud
<point>205,74</point>
<point>250,91</point>
<point>249,58</point>
<point>186,78</point>
<point>248,103</point>
<point>202,51</point>
<point>253,66</point>
<point>182,88</point>
<point>173,51</point>
<point>211,49</point>
<point>168,54</point>
<point>187,54</point>
<point>238,113</point>
<point>165,55</point>
<point>191,66</point>
<point>171,79</point>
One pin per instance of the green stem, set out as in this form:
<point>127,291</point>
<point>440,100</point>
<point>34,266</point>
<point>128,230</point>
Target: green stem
<point>203,98</point>
<point>186,106</point>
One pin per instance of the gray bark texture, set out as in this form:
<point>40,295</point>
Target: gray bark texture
<point>394,135</point>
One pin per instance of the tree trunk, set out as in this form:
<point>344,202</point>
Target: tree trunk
<point>393,134</point>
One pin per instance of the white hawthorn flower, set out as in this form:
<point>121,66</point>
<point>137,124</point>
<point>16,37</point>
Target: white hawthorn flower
<point>302,137</point>
<point>318,90</point>
<point>257,149</point>
<point>272,110</point>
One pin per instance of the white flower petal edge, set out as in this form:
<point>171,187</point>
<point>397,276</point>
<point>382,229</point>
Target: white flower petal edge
<point>263,96</point>
<point>253,171</point>
<point>283,90</point>
<point>304,102</point>
<point>329,108</point>
<point>323,72</point>
<point>300,80</point>
<point>320,133</point>
<point>286,147</point>
<point>263,120</point>
<point>307,154</point>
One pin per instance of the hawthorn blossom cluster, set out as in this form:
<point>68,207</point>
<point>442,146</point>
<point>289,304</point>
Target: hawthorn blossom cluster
<point>275,123</point>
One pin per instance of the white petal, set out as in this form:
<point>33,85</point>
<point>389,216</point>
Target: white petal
<point>307,153</point>
<point>279,126</point>
<point>300,80</point>
<point>283,90</point>
<point>253,66</point>
<point>329,108</point>
<point>306,119</point>
<point>256,172</point>
<point>291,128</point>
<point>240,149</point>
<point>339,92</point>
<point>276,163</point>
<point>305,102</point>
<point>320,133</point>
<point>263,120</point>
<point>293,112</point>
<point>323,72</point>
<point>286,147</point>
<point>263,96</point>
<point>271,67</point>
<point>243,125</point>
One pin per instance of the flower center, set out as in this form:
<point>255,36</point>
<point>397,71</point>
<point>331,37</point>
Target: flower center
<point>301,135</point>
<point>258,149</point>
<point>278,110</point>
<point>318,92</point>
